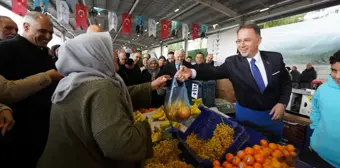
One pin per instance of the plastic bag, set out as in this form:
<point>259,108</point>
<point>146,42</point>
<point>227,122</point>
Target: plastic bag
<point>177,106</point>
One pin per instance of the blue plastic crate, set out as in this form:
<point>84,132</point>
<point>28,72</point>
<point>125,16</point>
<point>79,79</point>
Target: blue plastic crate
<point>254,137</point>
<point>205,124</point>
<point>206,91</point>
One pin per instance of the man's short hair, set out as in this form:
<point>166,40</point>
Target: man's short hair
<point>121,51</point>
<point>200,53</point>
<point>189,57</point>
<point>33,16</point>
<point>253,26</point>
<point>4,17</point>
<point>171,52</point>
<point>335,58</point>
<point>162,57</point>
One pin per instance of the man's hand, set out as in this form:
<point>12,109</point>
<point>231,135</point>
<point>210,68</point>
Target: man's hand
<point>278,111</point>
<point>6,120</point>
<point>160,82</point>
<point>183,74</point>
<point>54,75</point>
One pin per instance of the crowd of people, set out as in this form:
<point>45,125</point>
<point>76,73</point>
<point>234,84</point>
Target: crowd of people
<point>72,105</point>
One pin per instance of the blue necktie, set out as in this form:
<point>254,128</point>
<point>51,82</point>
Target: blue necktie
<point>177,66</point>
<point>257,75</point>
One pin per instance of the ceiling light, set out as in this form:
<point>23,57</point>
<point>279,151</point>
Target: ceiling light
<point>98,14</point>
<point>157,22</point>
<point>265,9</point>
<point>177,10</point>
<point>146,30</point>
<point>99,24</point>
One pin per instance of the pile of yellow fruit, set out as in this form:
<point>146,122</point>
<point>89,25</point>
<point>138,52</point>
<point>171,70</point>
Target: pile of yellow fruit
<point>138,117</point>
<point>195,111</point>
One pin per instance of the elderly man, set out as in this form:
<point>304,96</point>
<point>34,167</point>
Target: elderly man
<point>307,76</point>
<point>209,60</point>
<point>261,82</point>
<point>8,28</point>
<point>31,114</point>
<point>171,68</point>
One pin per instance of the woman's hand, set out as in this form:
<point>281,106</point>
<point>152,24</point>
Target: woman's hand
<point>6,121</point>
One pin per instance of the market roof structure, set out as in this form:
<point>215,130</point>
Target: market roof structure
<point>225,13</point>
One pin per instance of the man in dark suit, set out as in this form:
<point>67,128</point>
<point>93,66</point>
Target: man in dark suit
<point>261,82</point>
<point>171,68</point>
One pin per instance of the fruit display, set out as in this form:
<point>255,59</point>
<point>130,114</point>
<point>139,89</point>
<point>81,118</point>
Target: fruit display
<point>159,115</point>
<point>166,154</point>
<point>156,135</point>
<point>265,155</point>
<point>195,111</point>
<point>166,124</point>
<point>178,110</point>
<point>215,147</point>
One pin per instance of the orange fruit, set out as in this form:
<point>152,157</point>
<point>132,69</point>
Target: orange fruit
<point>290,148</point>
<point>277,154</point>
<point>257,165</point>
<point>263,142</point>
<point>272,146</point>
<point>276,163</point>
<point>229,157</point>
<point>216,163</point>
<point>267,161</point>
<point>285,153</point>
<point>227,165</point>
<point>249,160</point>
<point>236,161</point>
<point>249,167</point>
<point>242,165</point>
<point>263,153</point>
<point>259,158</point>
<point>217,167</point>
<point>293,154</point>
<point>268,151</point>
<point>257,147</point>
<point>249,151</point>
<point>241,154</point>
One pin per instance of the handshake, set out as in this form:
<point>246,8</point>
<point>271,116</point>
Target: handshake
<point>184,73</point>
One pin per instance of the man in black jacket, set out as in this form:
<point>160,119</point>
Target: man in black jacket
<point>261,82</point>
<point>8,28</point>
<point>295,77</point>
<point>20,57</point>
<point>307,76</point>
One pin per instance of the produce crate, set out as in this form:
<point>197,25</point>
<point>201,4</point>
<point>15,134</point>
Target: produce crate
<point>254,137</point>
<point>204,125</point>
<point>206,91</point>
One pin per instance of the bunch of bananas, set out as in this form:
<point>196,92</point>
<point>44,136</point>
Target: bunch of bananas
<point>138,116</point>
<point>156,135</point>
<point>195,111</point>
<point>166,124</point>
<point>159,115</point>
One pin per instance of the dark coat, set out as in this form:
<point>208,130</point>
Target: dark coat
<point>170,69</point>
<point>308,75</point>
<point>157,100</point>
<point>295,75</point>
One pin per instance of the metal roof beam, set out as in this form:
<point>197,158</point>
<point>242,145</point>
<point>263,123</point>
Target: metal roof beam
<point>218,7</point>
<point>131,42</point>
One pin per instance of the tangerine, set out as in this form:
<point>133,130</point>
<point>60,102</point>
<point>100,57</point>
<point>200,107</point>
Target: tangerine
<point>276,163</point>
<point>257,165</point>
<point>264,142</point>
<point>268,151</point>
<point>249,160</point>
<point>241,154</point>
<point>293,154</point>
<point>242,165</point>
<point>229,157</point>
<point>259,158</point>
<point>236,161</point>
<point>272,146</point>
<point>216,163</point>
<point>290,148</point>
<point>249,167</point>
<point>257,147</point>
<point>277,154</point>
<point>249,151</point>
<point>227,165</point>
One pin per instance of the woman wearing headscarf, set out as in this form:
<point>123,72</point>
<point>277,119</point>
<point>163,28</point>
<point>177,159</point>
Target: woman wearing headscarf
<point>92,121</point>
<point>150,74</point>
<point>55,51</point>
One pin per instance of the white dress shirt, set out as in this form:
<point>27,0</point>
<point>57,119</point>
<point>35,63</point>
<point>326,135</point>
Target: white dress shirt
<point>260,65</point>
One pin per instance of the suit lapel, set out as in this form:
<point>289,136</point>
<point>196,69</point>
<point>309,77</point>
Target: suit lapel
<point>247,76</point>
<point>268,67</point>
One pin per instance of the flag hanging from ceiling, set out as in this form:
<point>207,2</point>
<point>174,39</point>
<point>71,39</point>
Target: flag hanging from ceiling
<point>41,5</point>
<point>203,30</point>
<point>165,29</point>
<point>19,7</point>
<point>139,24</point>
<point>63,12</point>
<point>81,16</point>
<point>185,30</point>
<point>152,27</point>
<point>195,31</point>
<point>174,29</point>
<point>113,21</point>
<point>126,19</point>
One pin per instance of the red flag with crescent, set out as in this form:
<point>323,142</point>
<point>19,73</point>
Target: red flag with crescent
<point>165,29</point>
<point>19,7</point>
<point>126,25</point>
<point>81,16</point>
<point>195,31</point>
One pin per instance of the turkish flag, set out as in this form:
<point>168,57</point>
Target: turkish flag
<point>195,31</point>
<point>81,16</point>
<point>19,7</point>
<point>165,29</point>
<point>126,25</point>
